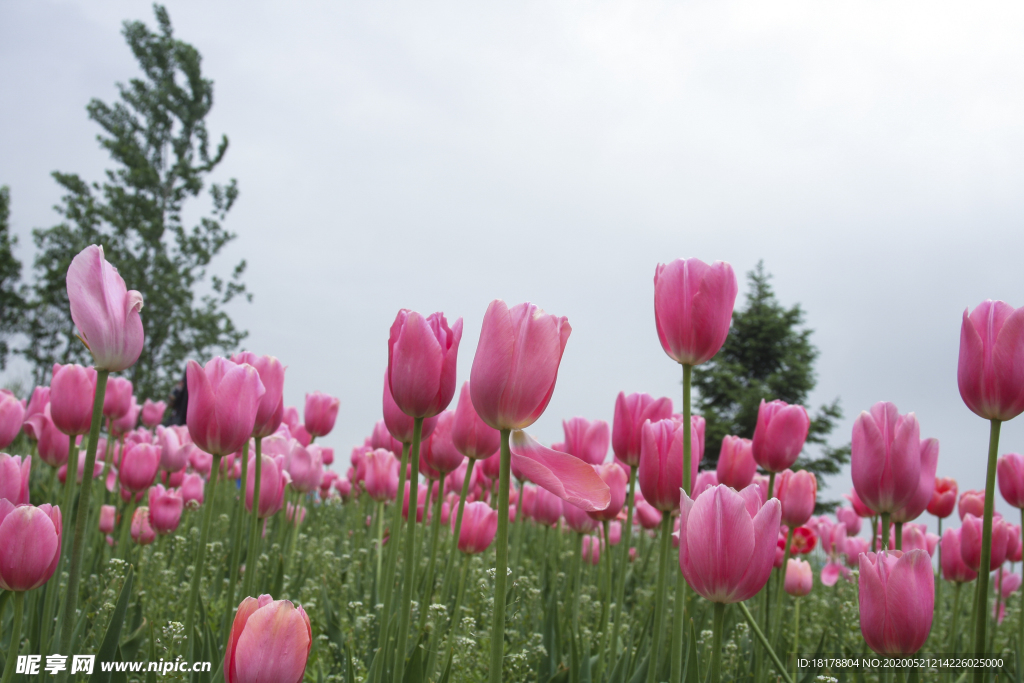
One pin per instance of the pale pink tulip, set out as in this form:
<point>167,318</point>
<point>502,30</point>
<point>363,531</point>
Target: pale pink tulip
<point>797,491</point>
<point>165,506</point>
<point>799,578</point>
<point>271,408</point>
<point>953,566</point>
<point>439,450</point>
<point>473,437</point>
<point>51,443</point>
<point>736,465</point>
<point>615,478</point>
<point>479,525</point>
<point>970,541</point>
<point>192,489</point>
<point>567,477</point>
<point>108,518</point>
<point>12,415</point>
<point>117,401</point>
<point>381,475</point>
<point>971,503</point>
<point>919,501</point>
<point>153,413</point>
<point>142,530</point>
<point>320,413</point>
<point>15,472</point>
<point>304,465</point>
<point>270,641</point>
<point>1010,470</point>
<point>139,466</point>
<point>401,425</point>
<point>779,435</point>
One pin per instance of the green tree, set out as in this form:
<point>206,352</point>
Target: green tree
<point>768,355</point>
<point>12,303</point>
<point>156,134</point>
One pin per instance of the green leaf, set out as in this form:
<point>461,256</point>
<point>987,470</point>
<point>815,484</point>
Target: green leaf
<point>447,674</point>
<point>108,646</point>
<point>117,676</point>
<point>811,673</point>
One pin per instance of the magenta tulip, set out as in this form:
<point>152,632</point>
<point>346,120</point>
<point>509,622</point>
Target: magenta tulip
<point>192,489</point>
<point>381,475</point>
<point>118,399</point>
<point>223,400</point>
<point>736,465</point>
<point>615,478</point>
<point>971,503</point>
<point>1011,478</point>
<point>990,373</point>
<point>165,506</point>
<point>660,472</point>
<point>886,457</point>
<point>139,466</point>
<point>587,440</point>
<point>693,305</point>
<point>479,525</point>
<point>439,450</point>
<point>15,472</point>
<point>270,641</point>
<point>473,437</point>
<point>798,493</point>
<point>105,312</point>
<point>304,465</point>
<point>970,541</point>
<point>71,395</point>
<point>627,428</point>
<point>943,500</point>
<point>401,425</point>
<point>919,501</point>
<point>51,443</point>
<point>12,415</point>
<point>897,597</point>
<point>727,542</point>
<point>142,529</point>
<point>321,412</point>
<point>799,578</point>
<point>779,435</point>
<point>30,539</point>
<point>422,356</point>
<point>516,364</point>
<point>567,477</point>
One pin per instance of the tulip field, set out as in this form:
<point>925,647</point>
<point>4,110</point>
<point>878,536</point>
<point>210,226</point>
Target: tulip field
<point>453,546</point>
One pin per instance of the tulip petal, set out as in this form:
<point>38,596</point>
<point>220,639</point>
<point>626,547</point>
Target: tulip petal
<point>910,598</point>
<point>273,646</point>
<point>719,539</point>
<point>567,477</point>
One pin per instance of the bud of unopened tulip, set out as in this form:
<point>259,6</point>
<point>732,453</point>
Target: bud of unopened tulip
<point>320,413</point>
<point>587,440</point>
<point>108,519</point>
<point>990,372</point>
<point>142,529</point>
<point>591,550</point>
<point>970,542</point>
<point>271,407</point>
<point>516,364</point>
<point>381,475</point>
<point>139,466</point>
<point>270,641</point>
<point>271,486</point>
<point>615,478</point>
<point>630,414</point>
<point>660,472</point>
<point>165,506</point>
<point>798,493</point>
<point>72,390</point>
<point>693,305</point>
<point>953,566</point>
<point>421,501</point>
<point>779,435</point>
<point>850,518</point>
<point>1010,470</point>
<point>382,438</point>
<point>971,503</point>
<point>192,489</point>
<point>736,465</point>
<point>918,502</point>
<point>117,400</point>
<point>223,398</point>
<point>304,465</point>
<point>153,413</point>
<point>30,540</point>
<point>577,519</point>
<point>422,355</point>
<point>12,415</point>
<point>126,423</point>
<point>943,500</point>
<point>479,525</point>
<point>897,597</point>
<point>104,311</point>
<point>799,577</point>
<point>38,401</point>
<point>547,507</point>
<point>1013,543</point>
<point>885,460</point>
<point>15,472</point>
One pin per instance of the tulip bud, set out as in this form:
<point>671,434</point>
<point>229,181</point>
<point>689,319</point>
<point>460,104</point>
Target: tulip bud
<point>471,435</point>
<point>272,483</point>
<point>401,425</point>
<point>886,457</point>
<point>72,390</point>
<point>693,305</point>
<point>271,405</point>
<point>139,466</point>
<point>122,425</point>
<point>779,435</point>
<point>577,519</point>
<point>851,519</point>
<point>943,498</point>
<point>953,566</point>
<point>270,641</point>
<point>30,540</point>
<point>547,507</point>
<point>897,597</point>
<point>51,443</point>
<point>919,501</point>
<point>12,415</point>
<point>117,400</point>
<point>799,578</point>
<point>304,465</point>
<point>439,450</point>
<point>1010,470</point>
<point>660,472</point>
<point>591,550</point>
<point>736,465</point>
<point>142,529</point>
<point>153,413</point>
<point>479,525</point>
<point>798,493</point>
<point>422,355</point>
<point>15,472</point>
<point>630,414</point>
<point>321,412</point>
<point>38,401</point>
<point>108,519</point>
<point>648,516</point>
<point>990,372</point>
<point>971,503</point>
<point>970,542</point>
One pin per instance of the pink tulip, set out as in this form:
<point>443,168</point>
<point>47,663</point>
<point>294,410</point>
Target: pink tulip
<point>567,477</point>
<point>270,641</point>
<point>855,545</point>
<point>516,364</point>
<point>897,597</point>
<point>577,519</point>
<point>1009,585</point>
<point>736,465</point>
<point>693,305</point>
<point>290,514</point>
<point>1010,470</point>
<point>798,493</point>
<point>919,501</point>
<point>15,472</point>
<point>192,489</point>
<point>422,355</point>
<point>304,465</point>
<point>479,525</point>
<point>421,501</point>
<point>153,413</point>
<point>201,461</point>
<point>990,373</point>
<point>706,479</point>
<point>72,390</point>
<point>799,578</point>
<point>401,425</point>
<point>51,444</point>
<point>886,457</point>
<point>38,401</point>
<point>779,435</point>
<point>630,414</point>
<point>547,507</point>
<point>104,311</point>
<point>916,537</point>
<point>971,503</point>
<point>648,516</point>
<point>439,450</point>
<point>943,498</point>
<point>660,472</point>
<point>614,533</point>
<point>615,478</point>
<point>108,519</point>
<point>953,566</point>
<point>591,550</point>
<point>472,436</point>
<point>173,454</point>
<point>139,466</point>
<point>381,438</point>
<point>727,542</point>
<point>1013,543</point>
<point>117,401</point>
<point>970,542</point>
<point>165,506</point>
<point>587,440</point>
<point>271,407</point>
<point>321,412</point>
<point>858,505</point>
<point>30,540</point>
<point>12,415</point>
<point>142,530</point>
<point>126,423</point>
<point>344,488</point>
<point>96,471</point>
<point>272,482</point>
<point>381,475</point>
<point>850,518</point>
<point>223,401</point>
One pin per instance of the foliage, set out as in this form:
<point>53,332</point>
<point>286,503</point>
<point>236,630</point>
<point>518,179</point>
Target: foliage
<point>12,303</point>
<point>157,136</point>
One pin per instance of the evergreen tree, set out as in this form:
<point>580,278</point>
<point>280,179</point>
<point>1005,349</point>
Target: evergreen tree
<point>12,303</point>
<point>157,136</point>
<point>768,355</point>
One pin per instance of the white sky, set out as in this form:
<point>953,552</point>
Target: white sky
<point>435,156</point>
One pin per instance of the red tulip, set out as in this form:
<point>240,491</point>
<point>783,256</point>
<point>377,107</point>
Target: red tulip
<point>971,503</point>
<point>321,412</point>
<point>516,364</point>
<point>223,400</point>
<point>587,440</point>
<point>736,465</point>
<point>727,542</point>
<point>953,566</point>
<point>943,498</point>
<point>990,373</point>
<point>139,466</point>
<point>897,597</point>
<point>886,457</point>
<point>165,506</point>
<point>804,540</point>
<point>798,493</point>
<point>72,390</point>
<point>919,501</point>
<point>104,311</point>
<point>117,401</point>
<point>693,305</point>
<point>799,578</point>
<point>615,478</point>
<point>567,477</point>
<point>401,425</point>
<point>270,641</point>
<point>271,407</point>
<point>660,472</point>
<point>12,415</point>
<point>1010,470</point>
<point>15,472</point>
<point>422,355</point>
<point>630,414</point>
<point>779,435</point>
<point>30,540</point>
<point>479,526</point>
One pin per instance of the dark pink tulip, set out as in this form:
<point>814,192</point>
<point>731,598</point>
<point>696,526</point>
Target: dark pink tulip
<point>321,412</point>
<point>472,436</point>
<point>271,408</point>
<point>381,438</point>
<point>516,364</point>
<point>1010,470</point>
<point>779,435</point>
<point>30,540</point>
<point>919,501</point>
<point>648,516</point>
<point>587,440</point>
<point>104,311</point>
<point>38,401</point>
<point>51,443</point>
<point>693,305</point>
<point>971,503</point>
<point>192,489</point>
<point>897,597</point>
<point>12,415</point>
<point>439,450</point>
<point>223,398</point>
<point>479,525</point>
<point>660,473</point>
<point>153,413</point>
<point>953,566</point>
<point>577,519</point>
<point>108,519</point>
<point>126,423</point>
<point>139,466</point>
<point>118,399</point>
<point>990,373</point>
<point>630,414</point>
<point>165,506</point>
<point>15,472</point>
<point>798,493</point>
<point>850,518</point>
<point>799,578</point>
<point>615,478</point>
<point>422,355</point>
<point>401,425</point>
<point>270,641</point>
<point>727,542</point>
<point>173,454</point>
<point>142,529</point>
<point>305,467</point>
<point>381,475</point>
<point>71,394</point>
<point>943,498</point>
<point>567,477</point>
<point>886,457</point>
<point>736,465</point>
<point>970,541</point>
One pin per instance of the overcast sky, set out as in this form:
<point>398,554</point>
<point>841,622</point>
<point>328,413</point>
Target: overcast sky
<point>435,156</point>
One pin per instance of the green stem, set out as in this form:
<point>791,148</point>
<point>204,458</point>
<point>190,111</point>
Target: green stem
<point>716,643</point>
<point>500,575</point>
<point>874,533</point>
<point>606,583</point>
<point>390,564</point>
<point>1020,620</point>
<point>986,548</point>
<point>659,595</point>
<point>577,585</point>
<point>379,523</point>
<point>956,616</point>
<point>796,637</point>
<point>435,528</point>
<point>899,536</point>
<point>50,602</point>
<point>885,532</point>
<point>620,579</point>
<point>764,642</point>
<point>12,652</point>
<point>236,542</point>
<point>782,573</point>
<point>252,553</point>
<point>411,552</point>
<point>209,500</point>
<point>517,531</point>
<point>67,623</point>
<point>679,611</point>
<point>126,525</point>
<point>461,592</point>
<point>449,569</point>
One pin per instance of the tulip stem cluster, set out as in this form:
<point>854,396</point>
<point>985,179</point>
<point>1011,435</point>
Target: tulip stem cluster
<point>664,558</point>
<point>410,553</point>
<point>200,566</point>
<point>501,568</point>
<point>986,546</point>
